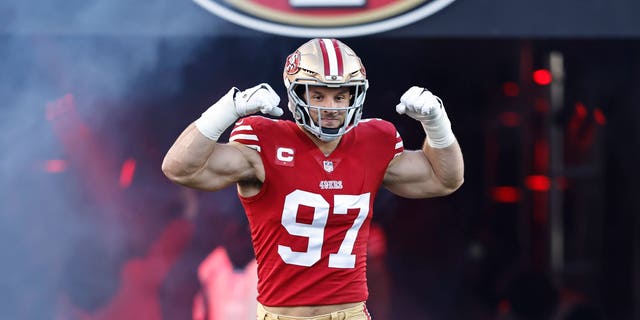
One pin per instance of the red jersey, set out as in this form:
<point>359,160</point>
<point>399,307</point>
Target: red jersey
<point>310,220</point>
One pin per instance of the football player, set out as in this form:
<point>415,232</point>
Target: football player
<point>308,186</point>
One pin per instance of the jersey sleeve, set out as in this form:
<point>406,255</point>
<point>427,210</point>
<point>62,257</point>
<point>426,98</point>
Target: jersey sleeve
<point>386,134</point>
<point>246,132</point>
<point>399,145</point>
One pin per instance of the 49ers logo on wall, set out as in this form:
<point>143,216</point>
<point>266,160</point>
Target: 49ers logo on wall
<point>323,18</point>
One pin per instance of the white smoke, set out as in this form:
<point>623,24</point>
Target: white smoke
<point>106,54</point>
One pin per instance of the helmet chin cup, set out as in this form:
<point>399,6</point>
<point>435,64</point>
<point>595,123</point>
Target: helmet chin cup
<point>325,134</point>
<point>327,139</point>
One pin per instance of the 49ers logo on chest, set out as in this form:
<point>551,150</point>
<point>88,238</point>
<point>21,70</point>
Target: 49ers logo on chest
<point>323,18</point>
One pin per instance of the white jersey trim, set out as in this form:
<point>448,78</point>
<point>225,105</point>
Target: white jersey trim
<point>252,137</point>
<point>245,127</point>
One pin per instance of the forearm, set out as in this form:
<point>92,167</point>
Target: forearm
<point>447,164</point>
<point>189,154</point>
<point>197,160</point>
<point>195,145</point>
<point>440,148</point>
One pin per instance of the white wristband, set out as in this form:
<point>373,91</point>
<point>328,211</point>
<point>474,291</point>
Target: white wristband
<point>222,114</point>
<point>438,130</point>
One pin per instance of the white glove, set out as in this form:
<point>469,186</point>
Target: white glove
<point>420,104</point>
<point>235,104</point>
<point>259,98</point>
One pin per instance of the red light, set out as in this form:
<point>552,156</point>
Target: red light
<point>510,89</point>
<point>55,166</point>
<point>126,173</point>
<point>538,183</point>
<point>377,241</point>
<point>505,194</point>
<point>542,77</point>
<point>581,110</point>
<point>598,115</point>
<point>541,155</point>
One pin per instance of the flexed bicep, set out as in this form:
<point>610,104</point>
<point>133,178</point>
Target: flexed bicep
<point>410,175</point>
<point>198,162</point>
<point>228,164</point>
<point>437,169</point>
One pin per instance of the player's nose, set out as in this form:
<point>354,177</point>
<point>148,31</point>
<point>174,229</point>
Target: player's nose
<point>331,103</point>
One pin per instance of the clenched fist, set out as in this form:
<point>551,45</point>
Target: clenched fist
<point>259,98</point>
<point>236,104</point>
<point>420,104</point>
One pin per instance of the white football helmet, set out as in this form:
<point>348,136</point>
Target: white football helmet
<point>329,63</point>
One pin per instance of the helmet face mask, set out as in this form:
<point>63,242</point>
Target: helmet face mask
<point>325,63</point>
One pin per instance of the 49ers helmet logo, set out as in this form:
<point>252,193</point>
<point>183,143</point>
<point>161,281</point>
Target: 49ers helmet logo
<point>323,18</point>
<point>292,62</point>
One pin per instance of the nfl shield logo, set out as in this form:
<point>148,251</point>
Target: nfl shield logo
<point>328,165</point>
